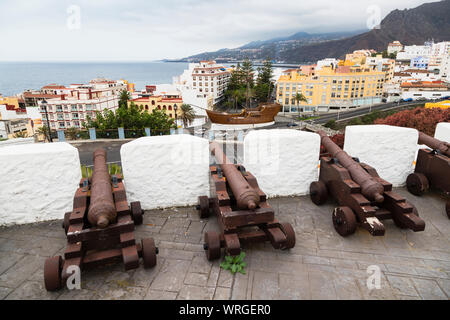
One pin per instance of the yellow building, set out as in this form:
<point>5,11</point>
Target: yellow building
<point>12,101</point>
<point>166,103</point>
<point>328,89</point>
<point>442,104</point>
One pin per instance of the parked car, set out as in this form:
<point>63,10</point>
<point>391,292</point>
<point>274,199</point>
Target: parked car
<point>292,124</point>
<point>406,100</point>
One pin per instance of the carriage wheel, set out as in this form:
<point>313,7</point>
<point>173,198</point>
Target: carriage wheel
<point>290,236</point>
<point>148,252</point>
<point>136,212</point>
<point>447,208</point>
<point>402,225</point>
<point>203,206</point>
<point>52,273</point>
<point>318,192</point>
<point>66,221</point>
<point>417,184</point>
<point>344,221</point>
<point>212,245</point>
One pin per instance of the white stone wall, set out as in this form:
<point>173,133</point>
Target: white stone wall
<point>16,141</point>
<point>38,182</point>
<point>166,171</point>
<point>284,161</point>
<point>443,131</point>
<point>390,150</point>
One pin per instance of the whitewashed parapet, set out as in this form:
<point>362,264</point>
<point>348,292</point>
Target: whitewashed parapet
<point>11,142</point>
<point>38,182</point>
<point>166,171</point>
<point>284,161</point>
<point>390,150</point>
<point>443,131</point>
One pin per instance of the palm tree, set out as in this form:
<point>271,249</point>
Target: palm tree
<point>124,97</point>
<point>187,114</point>
<point>43,131</point>
<point>20,134</point>
<point>298,98</point>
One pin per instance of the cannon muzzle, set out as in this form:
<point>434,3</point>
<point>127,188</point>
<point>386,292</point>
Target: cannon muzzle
<point>435,144</point>
<point>102,210</point>
<point>370,188</point>
<point>246,196</point>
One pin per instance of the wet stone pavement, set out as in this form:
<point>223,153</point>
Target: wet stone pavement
<point>322,265</point>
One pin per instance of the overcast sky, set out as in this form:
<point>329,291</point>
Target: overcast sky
<point>137,30</point>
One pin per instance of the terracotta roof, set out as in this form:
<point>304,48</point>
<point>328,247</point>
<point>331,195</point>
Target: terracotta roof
<point>40,95</point>
<point>402,74</point>
<point>417,71</point>
<point>54,86</point>
<point>424,84</point>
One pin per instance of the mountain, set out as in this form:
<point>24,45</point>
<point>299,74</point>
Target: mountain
<point>410,26</point>
<point>274,48</point>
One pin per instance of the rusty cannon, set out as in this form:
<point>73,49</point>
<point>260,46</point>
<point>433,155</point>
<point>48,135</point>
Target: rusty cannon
<point>243,213</point>
<point>100,228</point>
<point>432,169</point>
<point>364,197</point>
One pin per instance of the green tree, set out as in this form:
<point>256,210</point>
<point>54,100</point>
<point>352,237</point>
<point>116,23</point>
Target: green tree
<point>264,84</point>
<point>125,96</point>
<point>43,131</point>
<point>187,114</point>
<point>72,133</point>
<point>133,118</point>
<point>20,134</point>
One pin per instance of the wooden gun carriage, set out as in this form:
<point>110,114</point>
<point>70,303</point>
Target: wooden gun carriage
<point>243,213</point>
<point>100,228</point>
<point>364,197</point>
<point>432,169</point>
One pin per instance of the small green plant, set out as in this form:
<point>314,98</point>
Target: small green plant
<point>114,169</point>
<point>86,172</point>
<point>234,263</point>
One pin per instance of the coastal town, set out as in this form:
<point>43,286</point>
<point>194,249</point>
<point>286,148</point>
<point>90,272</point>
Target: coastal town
<point>225,151</point>
<point>363,78</point>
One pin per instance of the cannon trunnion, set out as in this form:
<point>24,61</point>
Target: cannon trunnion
<point>102,238</point>
<point>356,207</point>
<point>243,214</point>
<point>432,169</point>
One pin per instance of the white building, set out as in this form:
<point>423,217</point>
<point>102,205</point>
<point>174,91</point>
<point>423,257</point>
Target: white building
<point>78,101</point>
<point>424,90</point>
<point>203,85</point>
<point>394,47</point>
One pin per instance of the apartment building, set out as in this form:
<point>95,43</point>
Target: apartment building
<point>331,88</point>
<point>70,106</point>
<point>203,84</point>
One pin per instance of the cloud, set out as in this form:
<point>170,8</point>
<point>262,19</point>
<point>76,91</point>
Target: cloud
<point>149,30</point>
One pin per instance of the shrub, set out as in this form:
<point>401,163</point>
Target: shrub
<point>422,119</point>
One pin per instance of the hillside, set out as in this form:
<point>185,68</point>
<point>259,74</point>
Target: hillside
<point>409,26</point>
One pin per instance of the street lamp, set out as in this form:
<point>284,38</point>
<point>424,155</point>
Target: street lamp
<point>175,108</point>
<point>44,104</point>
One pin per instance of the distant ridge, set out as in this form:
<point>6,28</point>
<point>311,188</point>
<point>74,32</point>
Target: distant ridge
<point>410,26</point>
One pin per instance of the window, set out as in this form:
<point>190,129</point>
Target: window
<point>170,107</point>
<point>153,102</point>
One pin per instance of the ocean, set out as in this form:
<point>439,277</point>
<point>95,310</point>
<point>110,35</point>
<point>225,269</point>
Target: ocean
<point>15,77</point>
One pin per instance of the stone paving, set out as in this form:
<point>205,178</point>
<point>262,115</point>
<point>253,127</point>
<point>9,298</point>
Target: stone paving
<point>322,265</point>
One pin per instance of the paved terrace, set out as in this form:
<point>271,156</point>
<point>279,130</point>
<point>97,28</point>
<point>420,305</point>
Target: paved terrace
<point>321,266</point>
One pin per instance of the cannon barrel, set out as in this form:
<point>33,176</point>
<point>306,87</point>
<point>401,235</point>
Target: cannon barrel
<point>370,188</point>
<point>246,196</point>
<point>102,210</point>
<point>434,143</point>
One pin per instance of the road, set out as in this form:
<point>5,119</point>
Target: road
<point>86,149</point>
<point>339,116</point>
